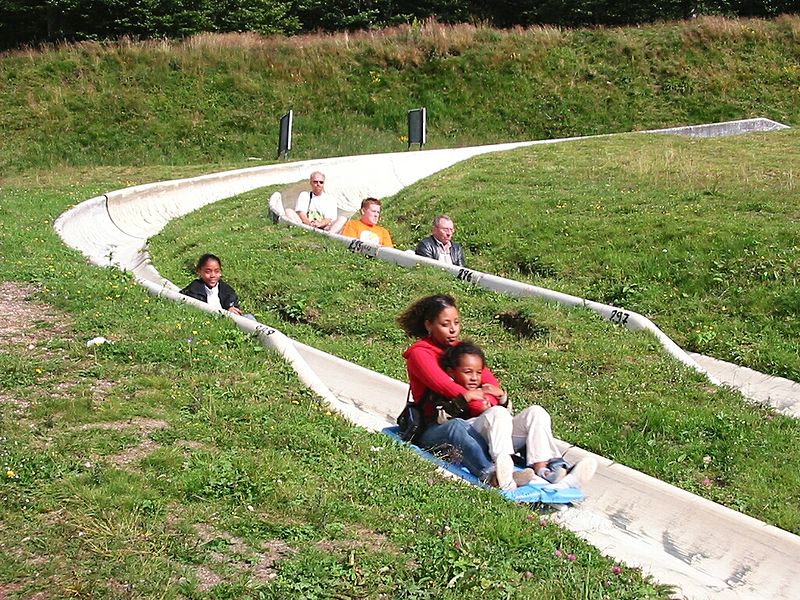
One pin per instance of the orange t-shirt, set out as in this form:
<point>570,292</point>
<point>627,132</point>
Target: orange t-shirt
<point>373,235</point>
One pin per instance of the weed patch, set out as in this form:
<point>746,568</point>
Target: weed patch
<point>521,325</point>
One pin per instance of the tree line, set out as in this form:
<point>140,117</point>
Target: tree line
<point>31,22</point>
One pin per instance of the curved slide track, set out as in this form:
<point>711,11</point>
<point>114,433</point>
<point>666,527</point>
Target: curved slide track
<point>702,549</point>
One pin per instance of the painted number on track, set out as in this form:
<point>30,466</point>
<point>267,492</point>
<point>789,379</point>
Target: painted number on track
<point>619,317</point>
<point>465,275</point>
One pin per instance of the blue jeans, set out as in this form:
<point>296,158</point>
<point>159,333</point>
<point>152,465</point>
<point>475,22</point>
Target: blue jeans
<point>458,434</point>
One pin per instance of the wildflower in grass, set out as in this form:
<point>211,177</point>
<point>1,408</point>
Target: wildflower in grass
<point>707,482</point>
<point>706,460</point>
<point>544,521</point>
<point>571,557</point>
<point>559,553</point>
<point>616,569</point>
<point>11,474</point>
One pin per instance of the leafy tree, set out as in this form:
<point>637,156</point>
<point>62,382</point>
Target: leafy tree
<point>34,21</point>
<point>261,16</point>
<point>55,20</point>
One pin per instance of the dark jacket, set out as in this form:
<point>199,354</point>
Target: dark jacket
<point>197,290</point>
<point>430,247</point>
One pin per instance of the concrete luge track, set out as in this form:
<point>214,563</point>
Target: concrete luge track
<point>701,548</point>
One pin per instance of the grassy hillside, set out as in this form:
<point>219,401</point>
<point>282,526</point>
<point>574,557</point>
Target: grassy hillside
<point>611,391</point>
<point>183,461</point>
<point>218,98</point>
<point>699,235</point>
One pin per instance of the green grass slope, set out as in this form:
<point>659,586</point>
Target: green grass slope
<point>218,98</point>
<point>182,461</point>
<point>611,391</point>
<point>699,235</point>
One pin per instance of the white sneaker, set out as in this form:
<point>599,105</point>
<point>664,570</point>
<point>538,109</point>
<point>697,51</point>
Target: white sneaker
<point>504,472</point>
<point>578,476</point>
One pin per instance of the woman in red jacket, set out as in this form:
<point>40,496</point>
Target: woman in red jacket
<point>489,428</point>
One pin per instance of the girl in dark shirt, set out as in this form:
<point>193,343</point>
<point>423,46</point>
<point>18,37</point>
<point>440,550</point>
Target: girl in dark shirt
<point>210,288</point>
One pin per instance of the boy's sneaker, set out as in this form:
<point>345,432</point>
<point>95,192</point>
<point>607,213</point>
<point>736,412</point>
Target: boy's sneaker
<point>525,476</point>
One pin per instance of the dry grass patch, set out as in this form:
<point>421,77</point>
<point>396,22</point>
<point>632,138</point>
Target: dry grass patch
<point>27,322</point>
<point>145,425</point>
<point>135,453</point>
<point>239,556</point>
<point>362,538</point>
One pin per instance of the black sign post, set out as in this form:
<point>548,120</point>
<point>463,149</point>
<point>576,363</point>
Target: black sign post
<point>417,128</point>
<point>285,135</point>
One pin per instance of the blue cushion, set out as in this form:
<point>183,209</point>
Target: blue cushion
<point>529,494</point>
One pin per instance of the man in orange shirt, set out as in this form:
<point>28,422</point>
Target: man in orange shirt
<point>367,229</point>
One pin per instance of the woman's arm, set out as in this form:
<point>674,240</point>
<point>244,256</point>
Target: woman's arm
<point>423,365</point>
<point>425,372</point>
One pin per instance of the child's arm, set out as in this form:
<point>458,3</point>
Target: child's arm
<point>497,392</point>
<point>231,300</point>
<point>491,387</point>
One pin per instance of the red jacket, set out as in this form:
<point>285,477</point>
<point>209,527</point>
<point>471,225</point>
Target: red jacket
<point>425,373</point>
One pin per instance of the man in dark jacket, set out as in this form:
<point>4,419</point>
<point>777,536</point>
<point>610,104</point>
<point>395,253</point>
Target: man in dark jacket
<point>440,245</point>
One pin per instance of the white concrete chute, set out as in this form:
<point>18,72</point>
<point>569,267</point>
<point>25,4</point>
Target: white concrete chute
<point>706,550</point>
<point>701,548</point>
<point>726,128</point>
<point>136,213</point>
<point>371,392</point>
<point>143,210</point>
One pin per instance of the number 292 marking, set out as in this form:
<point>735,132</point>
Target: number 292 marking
<point>619,317</point>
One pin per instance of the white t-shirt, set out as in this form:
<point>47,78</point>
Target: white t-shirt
<point>212,296</point>
<point>317,207</point>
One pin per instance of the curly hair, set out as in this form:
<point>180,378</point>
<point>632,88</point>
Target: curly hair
<point>412,320</point>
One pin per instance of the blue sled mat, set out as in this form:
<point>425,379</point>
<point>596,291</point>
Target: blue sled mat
<point>529,494</point>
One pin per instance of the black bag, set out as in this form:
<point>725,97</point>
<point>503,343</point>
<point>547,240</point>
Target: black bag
<point>411,423</point>
<point>455,408</point>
